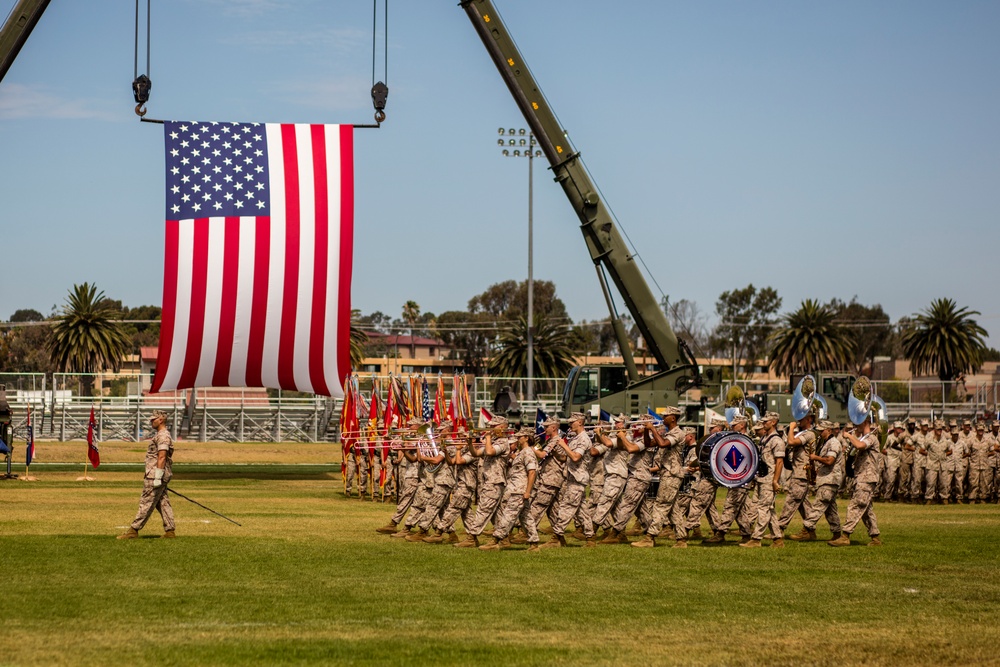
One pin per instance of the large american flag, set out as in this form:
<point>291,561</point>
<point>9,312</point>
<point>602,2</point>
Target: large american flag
<point>257,270</point>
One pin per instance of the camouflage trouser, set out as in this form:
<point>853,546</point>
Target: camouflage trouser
<point>890,478</point>
<point>796,498</point>
<point>766,516</point>
<point>738,507</point>
<point>377,468</point>
<point>825,504</point>
<point>570,499</point>
<point>513,510</point>
<point>154,499</point>
<point>461,501</point>
<point>542,501</point>
<point>419,503</point>
<point>613,485</point>
<point>980,481</point>
<point>663,506</point>
<point>486,507</point>
<point>938,481</point>
<point>357,466</point>
<point>407,492</point>
<point>585,515</point>
<point>905,480</point>
<point>644,512</point>
<point>861,509</point>
<point>632,496</point>
<point>957,483</point>
<point>917,481</point>
<point>435,505</point>
<point>702,500</point>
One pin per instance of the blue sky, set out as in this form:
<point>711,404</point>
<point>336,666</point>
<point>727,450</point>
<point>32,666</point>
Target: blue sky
<point>825,149</point>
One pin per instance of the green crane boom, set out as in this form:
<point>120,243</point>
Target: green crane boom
<point>678,370</point>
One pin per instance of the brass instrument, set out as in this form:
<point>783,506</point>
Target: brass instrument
<point>738,405</point>
<point>864,405</point>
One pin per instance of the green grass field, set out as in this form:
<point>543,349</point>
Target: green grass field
<point>306,580</point>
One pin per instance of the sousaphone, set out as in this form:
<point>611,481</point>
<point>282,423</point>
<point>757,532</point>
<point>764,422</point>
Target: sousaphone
<point>806,400</point>
<point>737,404</point>
<point>864,405</point>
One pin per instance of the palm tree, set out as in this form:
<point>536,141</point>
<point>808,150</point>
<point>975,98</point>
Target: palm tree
<point>359,339</point>
<point>411,311</point>
<point>85,338</point>
<point>809,340</point>
<point>552,352</point>
<point>945,339</point>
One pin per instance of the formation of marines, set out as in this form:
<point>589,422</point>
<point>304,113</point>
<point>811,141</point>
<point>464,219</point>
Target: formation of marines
<point>643,478</point>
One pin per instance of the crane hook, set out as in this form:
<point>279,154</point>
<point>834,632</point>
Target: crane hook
<point>380,92</point>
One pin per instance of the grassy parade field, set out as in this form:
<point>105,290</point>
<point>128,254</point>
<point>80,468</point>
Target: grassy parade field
<point>307,580</point>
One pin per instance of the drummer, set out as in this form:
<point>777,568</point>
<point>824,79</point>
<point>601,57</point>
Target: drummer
<point>703,500</point>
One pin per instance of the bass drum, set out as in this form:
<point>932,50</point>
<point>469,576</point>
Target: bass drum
<point>728,457</point>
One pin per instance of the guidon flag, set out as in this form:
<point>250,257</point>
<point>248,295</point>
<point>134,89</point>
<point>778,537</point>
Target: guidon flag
<point>258,256</point>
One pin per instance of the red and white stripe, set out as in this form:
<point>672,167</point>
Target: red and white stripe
<point>265,301</point>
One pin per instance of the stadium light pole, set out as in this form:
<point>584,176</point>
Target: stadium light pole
<point>521,143</point>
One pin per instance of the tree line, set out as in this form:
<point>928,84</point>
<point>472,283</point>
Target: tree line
<point>92,332</point>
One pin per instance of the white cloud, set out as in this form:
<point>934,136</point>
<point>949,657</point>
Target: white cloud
<point>36,101</point>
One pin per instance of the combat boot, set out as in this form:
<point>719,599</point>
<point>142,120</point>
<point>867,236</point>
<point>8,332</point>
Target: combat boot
<point>417,536</point>
<point>492,546</point>
<point>778,543</point>
<point>504,543</point>
<point>718,537</point>
<point>804,535</point>
<point>402,532</point>
<point>434,538</point>
<point>545,530</point>
<point>533,546</point>
<point>944,501</point>
<point>876,542</point>
<point>696,533</point>
<point>591,542</point>
<point>578,534</point>
<point>129,534</point>
<point>556,542</point>
<point>451,538</point>
<point>744,539</point>
<point>667,532</point>
<point>611,537</point>
<point>680,544</point>
<point>622,538</point>
<point>468,542</point>
<point>635,530</point>
<point>840,540</point>
<point>647,542</point>
<point>387,529</point>
<point>520,538</point>
<point>169,534</point>
<point>751,544</point>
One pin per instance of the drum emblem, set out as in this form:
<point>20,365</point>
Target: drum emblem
<point>734,460</point>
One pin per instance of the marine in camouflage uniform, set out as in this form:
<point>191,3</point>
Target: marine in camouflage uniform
<point>920,439</point>
<point>574,487</point>
<point>462,495</point>
<point>517,494</point>
<point>671,470</point>
<point>442,469</point>
<point>892,453</point>
<point>955,464</point>
<point>907,448</point>
<point>595,468</point>
<point>703,497</point>
<point>867,469</point>
<point>828,460</point>
<point>407,471</point>
<point>640,475</point>
<point>802,444</point>
<point>772,454</point>
<point>159,470</point>
<point>494,455</point>
<point>980,471</point>
<point>938,477</point>
<point>738,506</point>
<point>551,475</point>
<point>616,467</point>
